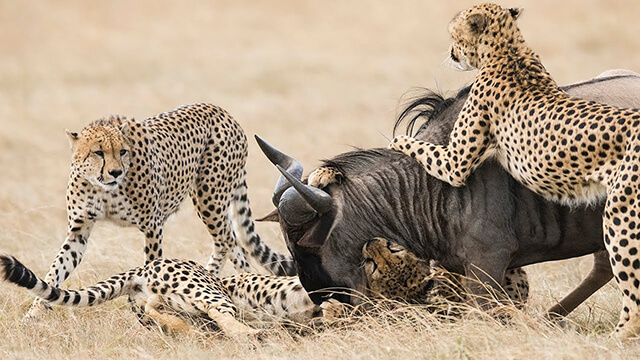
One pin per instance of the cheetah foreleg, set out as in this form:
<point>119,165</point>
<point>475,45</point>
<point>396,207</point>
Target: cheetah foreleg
<point>467,148</point>
<point>67,259</point>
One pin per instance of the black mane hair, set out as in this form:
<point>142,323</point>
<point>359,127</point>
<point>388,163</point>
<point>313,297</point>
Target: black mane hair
<point>429,104</point>
<point>424,107</point>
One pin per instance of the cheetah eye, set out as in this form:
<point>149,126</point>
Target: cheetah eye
<point>373,263</point>
<point>123,152</point>
<point>99,153</point>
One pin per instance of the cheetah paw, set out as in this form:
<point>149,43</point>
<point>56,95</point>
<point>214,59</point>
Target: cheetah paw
<point>37,311</point>
<point>324,176</point>
<point>333,309</point>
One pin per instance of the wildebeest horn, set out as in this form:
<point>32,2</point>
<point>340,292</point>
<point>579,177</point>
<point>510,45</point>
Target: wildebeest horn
<point>292,166</point>
<point>319,200</point>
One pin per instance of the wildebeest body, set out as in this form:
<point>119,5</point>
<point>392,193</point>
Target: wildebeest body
<point>482,229</point>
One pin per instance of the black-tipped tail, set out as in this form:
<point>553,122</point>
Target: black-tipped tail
<point>13,271</point>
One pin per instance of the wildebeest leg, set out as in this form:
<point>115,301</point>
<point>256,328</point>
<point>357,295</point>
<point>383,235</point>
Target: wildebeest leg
<point>600,275</point>
<point>484,278</point>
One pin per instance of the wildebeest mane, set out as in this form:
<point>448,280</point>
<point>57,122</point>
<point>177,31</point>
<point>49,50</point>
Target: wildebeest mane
<point>429,104</point>
<point>424,107</point>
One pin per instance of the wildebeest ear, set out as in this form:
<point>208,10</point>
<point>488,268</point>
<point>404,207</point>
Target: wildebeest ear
<point>515,12</point>
<point>477,23</point>
<point>73,136</point>
<point>273,216</point>
<point>319,232</point>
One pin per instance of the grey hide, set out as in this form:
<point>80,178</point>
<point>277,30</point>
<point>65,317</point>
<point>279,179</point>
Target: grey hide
<point>490,225</point>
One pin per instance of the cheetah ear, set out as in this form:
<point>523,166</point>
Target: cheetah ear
<point>124,128</point>
<point>477,23</point>
<point>515,12</point>
<point>73,136</point>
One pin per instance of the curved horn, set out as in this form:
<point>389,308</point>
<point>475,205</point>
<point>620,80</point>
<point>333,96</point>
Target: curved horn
<point>294,209</point>
<point>319,200</point>
<point>292,166</point>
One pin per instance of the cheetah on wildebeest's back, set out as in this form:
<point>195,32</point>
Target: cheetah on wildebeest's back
<point>138,174</point>
<point>567,149</point>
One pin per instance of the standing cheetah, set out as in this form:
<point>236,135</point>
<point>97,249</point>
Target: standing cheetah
<point>138,174</point>
<point>569,150</point>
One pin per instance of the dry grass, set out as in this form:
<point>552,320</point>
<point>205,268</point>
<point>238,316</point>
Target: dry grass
<point>314,78</point>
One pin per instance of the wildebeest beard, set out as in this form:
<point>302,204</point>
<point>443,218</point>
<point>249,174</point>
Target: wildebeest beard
<point>493,223</point>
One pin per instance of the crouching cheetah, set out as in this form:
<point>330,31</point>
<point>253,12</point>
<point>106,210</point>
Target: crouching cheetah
<point>569,150</point>
<point>394,272</point>
<point>170,293</point>
<point>138,173</point>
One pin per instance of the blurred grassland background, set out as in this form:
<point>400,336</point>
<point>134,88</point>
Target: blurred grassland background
<point>314,78</point>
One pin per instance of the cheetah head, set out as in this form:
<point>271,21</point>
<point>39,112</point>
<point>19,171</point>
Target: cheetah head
<point>396,273</point>
<point>100,153</point>
<point>480,31</point>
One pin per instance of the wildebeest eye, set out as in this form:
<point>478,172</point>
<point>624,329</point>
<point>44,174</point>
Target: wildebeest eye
<point>99,153</point>
<point>123,152</point>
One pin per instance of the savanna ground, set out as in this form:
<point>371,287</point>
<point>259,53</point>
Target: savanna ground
<point>315,79</point>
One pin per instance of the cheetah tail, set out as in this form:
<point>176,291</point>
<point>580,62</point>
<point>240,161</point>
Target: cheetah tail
<point>14,271</point>
<point>244,229</point>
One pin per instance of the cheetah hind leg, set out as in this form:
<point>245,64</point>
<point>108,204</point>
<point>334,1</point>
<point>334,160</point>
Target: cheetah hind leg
<point>621,240</point>
<point>167,322</point>
<point>516,286</point>
<point>214,215</point>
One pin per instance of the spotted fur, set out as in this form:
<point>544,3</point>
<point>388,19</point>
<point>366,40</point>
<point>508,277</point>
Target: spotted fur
<point>172,292</point>
<point>567,149</point>
<point>394,272</point>
<point>138,174</point>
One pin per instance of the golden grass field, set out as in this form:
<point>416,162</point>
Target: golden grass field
<point>313,78</point>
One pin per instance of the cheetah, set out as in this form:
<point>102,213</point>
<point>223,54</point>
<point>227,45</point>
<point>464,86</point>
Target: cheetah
<point>138,174</point>
<point>171,293</point>
<point>393,272</point>
<point>567,149</point>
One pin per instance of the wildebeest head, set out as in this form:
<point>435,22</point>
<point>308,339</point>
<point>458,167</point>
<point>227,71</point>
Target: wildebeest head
<point>319,224</point>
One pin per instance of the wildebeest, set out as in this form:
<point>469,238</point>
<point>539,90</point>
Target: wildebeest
<point>480,230</point>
